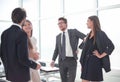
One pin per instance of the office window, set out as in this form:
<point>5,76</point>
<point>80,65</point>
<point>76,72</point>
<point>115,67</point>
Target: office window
<point>49,31</point>
<point>50,12</point>
<point>73,6</point>
<point>6,8</point>
<point>32,9</point>
<point>50,8</point>
<point>108,2</point>
<point>110,24</point>
<point>79,21</point>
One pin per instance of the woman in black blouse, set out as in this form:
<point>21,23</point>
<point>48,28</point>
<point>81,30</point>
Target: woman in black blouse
<point>95,53</point>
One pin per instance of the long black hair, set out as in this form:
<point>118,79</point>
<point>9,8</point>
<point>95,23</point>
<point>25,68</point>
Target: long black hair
<point>96,25</point>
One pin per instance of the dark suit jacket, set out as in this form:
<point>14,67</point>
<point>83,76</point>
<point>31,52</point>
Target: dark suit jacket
<point>74,36</point>
<point>0,52</point>
<point>104,44</point>
<point>14,54</point>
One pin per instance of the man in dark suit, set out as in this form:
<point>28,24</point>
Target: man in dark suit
<point>66,47</point>
<point>14,50</point>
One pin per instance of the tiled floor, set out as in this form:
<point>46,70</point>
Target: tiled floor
<point>113,76</point>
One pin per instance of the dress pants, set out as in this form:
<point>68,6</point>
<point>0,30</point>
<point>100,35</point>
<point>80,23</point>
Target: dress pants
<point>68,69</point>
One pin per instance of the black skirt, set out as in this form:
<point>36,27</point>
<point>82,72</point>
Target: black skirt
<point>92,69</point>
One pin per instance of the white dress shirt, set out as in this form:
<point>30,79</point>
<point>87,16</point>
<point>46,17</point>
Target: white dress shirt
<point>34,43</point>
<point>69,52</point>
<point>17,25</point>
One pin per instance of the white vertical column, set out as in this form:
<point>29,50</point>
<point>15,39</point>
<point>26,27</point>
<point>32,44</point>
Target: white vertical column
<point>20,3</point>
<point>62,8</point>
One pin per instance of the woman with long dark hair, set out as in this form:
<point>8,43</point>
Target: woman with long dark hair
<point>95,54</point>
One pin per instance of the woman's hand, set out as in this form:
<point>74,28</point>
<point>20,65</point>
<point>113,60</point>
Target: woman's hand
<point>36,56</point>
<point>96,53</point>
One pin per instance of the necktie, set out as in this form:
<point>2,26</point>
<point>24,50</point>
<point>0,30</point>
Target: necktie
<point>63,46</point>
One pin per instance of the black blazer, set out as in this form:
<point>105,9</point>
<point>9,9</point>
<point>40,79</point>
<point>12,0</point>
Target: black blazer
<point>14,54</point>
<point>74,36</point>
<point>104,44</point>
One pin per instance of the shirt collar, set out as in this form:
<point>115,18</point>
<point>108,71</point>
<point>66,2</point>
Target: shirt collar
<point>17,25</point>
<point>66,30</point>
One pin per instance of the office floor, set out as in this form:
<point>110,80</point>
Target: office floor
<point>113,76</point>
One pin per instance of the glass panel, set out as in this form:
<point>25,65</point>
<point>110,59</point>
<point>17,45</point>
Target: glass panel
<point>6,8</point>
<point>108,2</point>
<point>110,24</point>
<point>50,8</point>
<point>78,5</point>
<point>32,9</point>
<point>79,21</point>
<point>49,31</point>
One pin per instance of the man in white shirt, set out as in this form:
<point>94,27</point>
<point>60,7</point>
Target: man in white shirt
<point>66,48</point>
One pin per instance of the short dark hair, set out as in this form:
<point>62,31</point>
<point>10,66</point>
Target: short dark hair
<point>64,19</point>
<point>18,14</point>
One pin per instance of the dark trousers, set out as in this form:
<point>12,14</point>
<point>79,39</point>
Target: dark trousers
<point>68,69</point>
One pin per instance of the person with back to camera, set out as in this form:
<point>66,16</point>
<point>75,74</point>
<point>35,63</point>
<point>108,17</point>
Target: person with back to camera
<point>14,49</point>
<point>95,54</point>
